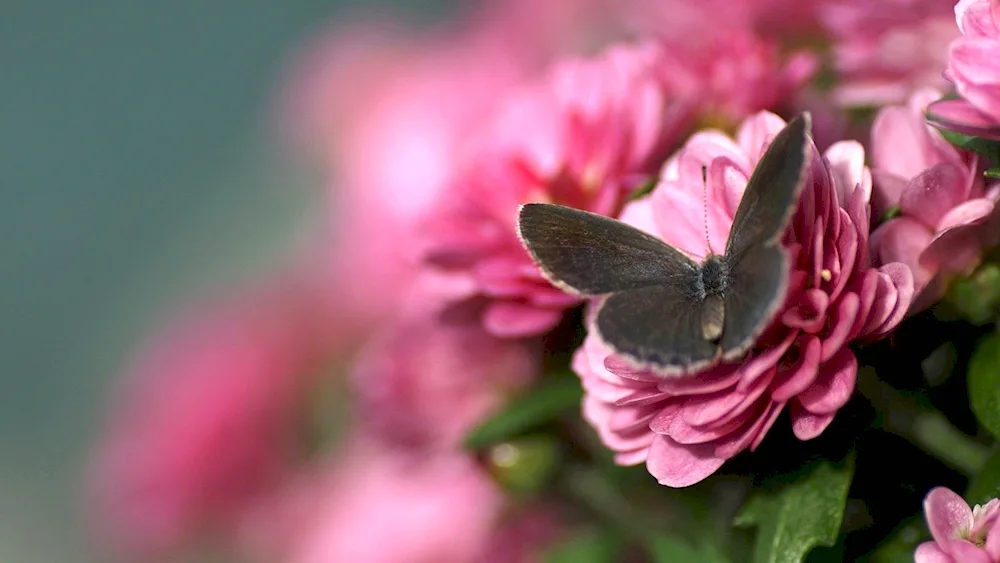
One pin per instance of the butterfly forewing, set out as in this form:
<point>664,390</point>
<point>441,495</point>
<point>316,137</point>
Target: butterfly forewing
<point>772,191</point>
<point>757,262</point>
<point>590,254</point>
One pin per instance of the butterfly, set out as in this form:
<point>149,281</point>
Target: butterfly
<point>660,309</point>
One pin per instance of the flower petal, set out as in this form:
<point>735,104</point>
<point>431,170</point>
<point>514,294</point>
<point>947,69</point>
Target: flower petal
<point>676,465</point>
<point>948,515</point>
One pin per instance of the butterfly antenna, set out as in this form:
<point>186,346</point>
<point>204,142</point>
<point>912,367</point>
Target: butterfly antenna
<point>704,206</point>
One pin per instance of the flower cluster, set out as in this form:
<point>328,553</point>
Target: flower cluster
<point>325,416</point>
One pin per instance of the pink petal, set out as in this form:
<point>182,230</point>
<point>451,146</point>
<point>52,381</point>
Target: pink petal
<point>903,240</point>
<point>888,189</point>
<point>899,148</point>
<point>809,314</point>
<point>598,414</point>
<point>509,319</point>
<point>842,320</point>
<point>898,280</point>
<point>929,552</point>
<point>975,67</point>
<point>966,213</point>
<point>993,539</point>
<point>834,385</point>
<point>933,192</point>
<point>796,379</point>
<point>967,552</point>
<point>735,442</point>
<point>847,164</point>
<point>714,380</point>
<point>948,515</point>
<point>676,465</point>
<point>806,425</point>
<point>701,410</point>
<point>963,117</point>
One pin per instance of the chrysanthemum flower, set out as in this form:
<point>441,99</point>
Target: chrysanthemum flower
<point>685,428</point>
<point>586,136</point>
<point>884,50</point>
<point>961,534</point>
<point>947,213</point>
<point>974,68</point>
<point>206,423</point>
<point>423,382</point>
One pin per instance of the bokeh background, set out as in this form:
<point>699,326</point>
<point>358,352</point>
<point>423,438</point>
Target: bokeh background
<point>139,165</point>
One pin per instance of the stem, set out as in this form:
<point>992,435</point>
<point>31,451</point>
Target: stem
<point>929,429</point>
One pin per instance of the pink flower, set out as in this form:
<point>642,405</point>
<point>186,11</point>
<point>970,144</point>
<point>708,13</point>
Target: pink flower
<point>961,534</point>
<point>684,429</point>
<point>386,111</point>
<point>380,506</point>
<point>947,214</point>
<point>205,423</point>
<point>884,50</point>
<point>374,503</point>
<point>686,22</point>
<point>426,382</point>
<point>974,68</point>
<point>729,76</point>
<point>585,136</point>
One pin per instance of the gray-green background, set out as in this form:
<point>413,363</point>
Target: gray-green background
<point>136,166</point>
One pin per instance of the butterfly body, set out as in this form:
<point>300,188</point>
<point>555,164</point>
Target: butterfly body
<point>659,308</point>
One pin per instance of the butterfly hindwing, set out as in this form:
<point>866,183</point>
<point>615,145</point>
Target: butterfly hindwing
<point>657,327</point>
<point>589,254</point>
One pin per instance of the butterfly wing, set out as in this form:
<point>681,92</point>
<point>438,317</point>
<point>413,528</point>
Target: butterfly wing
<point>658,327</point>
<point>589,254</point>
<point>757,263</point>
<point>652,315</point>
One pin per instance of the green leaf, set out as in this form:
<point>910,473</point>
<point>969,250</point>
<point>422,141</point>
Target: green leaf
<point>525,465</point>
<point>899,547</point>
<point>986,484</point>
<point>977,297</point>
<point>805,511</point>
<point>984,381</point>
<point>644,189</point>
<point>589,547</point>
<point>668,549</point>
<point>556,396</point>
<point>985,147</point>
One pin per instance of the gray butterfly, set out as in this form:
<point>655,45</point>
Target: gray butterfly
<point>661,310</point>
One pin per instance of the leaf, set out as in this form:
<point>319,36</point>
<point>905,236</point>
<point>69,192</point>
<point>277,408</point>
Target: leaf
<point>525,465</point>
<point>804,512</point>
<point>984,380</point>
<point>541,405</point>
<point>667,549</point>
<point>986,484</point>
<point>589,547</point>
<point>899,547</point>
<point>985,147</point>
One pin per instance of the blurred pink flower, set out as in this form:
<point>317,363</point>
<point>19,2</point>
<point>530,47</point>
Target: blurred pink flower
<point>974,68</point>
<point>387,110</point>
<point>961,534</point>
<point>884,50</point>
<point>585,136</point>
<point>684,429</point>
<point>947,214</point>
<point>729,76</point>
<point>426,381</point>
<point>205,423</point>
<point>686,22</point>
<point>379,504</point>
